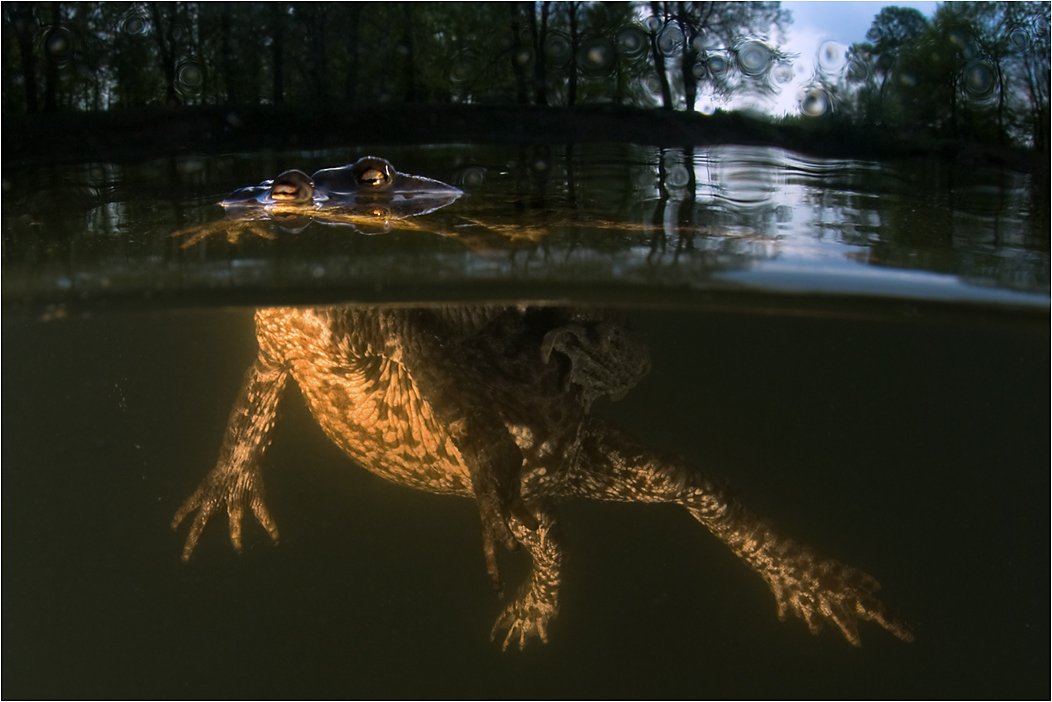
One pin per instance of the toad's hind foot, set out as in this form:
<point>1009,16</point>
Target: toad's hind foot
<point>818,590</point>
<point>527,616</point>
<point>822,591</point>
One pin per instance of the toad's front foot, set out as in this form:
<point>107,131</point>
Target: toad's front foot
<point>822,591</point>
<point>527,616</point>
<point>236,490</point>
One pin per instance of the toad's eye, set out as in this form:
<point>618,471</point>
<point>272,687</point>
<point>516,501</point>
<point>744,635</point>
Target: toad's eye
<point>372,173</point>
<point>294,187</point>
<point>373,178</point>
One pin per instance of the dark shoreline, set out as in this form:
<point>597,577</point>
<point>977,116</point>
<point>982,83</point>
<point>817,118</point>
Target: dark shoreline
<point>132,135</point>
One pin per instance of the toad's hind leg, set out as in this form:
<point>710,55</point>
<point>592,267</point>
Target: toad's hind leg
<point>537,602</point>
<point>806,585</point>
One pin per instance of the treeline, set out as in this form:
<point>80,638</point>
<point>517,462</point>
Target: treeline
<point>102,55</point>
<point>976,70</point>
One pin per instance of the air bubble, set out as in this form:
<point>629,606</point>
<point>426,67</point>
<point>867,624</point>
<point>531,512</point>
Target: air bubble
<point>632,42</point>
<point>753,58</point>
<point>596,57</point>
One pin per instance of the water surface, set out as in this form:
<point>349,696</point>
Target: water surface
<point>860,349</point>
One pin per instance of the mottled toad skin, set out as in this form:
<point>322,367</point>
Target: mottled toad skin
<point>493,403</point>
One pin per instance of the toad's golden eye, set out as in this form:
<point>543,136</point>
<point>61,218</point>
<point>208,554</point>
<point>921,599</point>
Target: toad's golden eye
<point>373,178</point>
<point>372,173</point>
<point>292,187</point>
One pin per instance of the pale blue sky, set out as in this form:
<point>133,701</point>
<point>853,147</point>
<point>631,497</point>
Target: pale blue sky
<point>845,22</point>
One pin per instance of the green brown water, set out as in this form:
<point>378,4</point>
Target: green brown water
<point>862,350</point>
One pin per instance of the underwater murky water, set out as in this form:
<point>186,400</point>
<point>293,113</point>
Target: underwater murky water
<point>860,350</point>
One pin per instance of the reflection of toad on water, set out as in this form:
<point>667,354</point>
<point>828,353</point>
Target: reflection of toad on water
<point>493,403</point>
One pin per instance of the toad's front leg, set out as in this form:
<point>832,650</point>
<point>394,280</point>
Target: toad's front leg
<point>236,482</point>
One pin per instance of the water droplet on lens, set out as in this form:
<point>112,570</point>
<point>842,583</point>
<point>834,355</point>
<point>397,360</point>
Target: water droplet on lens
<point>707,107</point>
<point>58,43</point>
<point>717,64</point>
<point>753,58</point>
<point>524,56</point>
<point>652,84</point>
<point>631,42</point>
<point>782,74</point>
<point>472,177</point>
<point>596,57</point>
<point>463,68</point>
<point>1019,38</point>
<point>700,70</point>
<point>703,42</point>
<point>857,71</point>
<point>671,39</point>
<point>980,80</point>
<point>654,24</point>
<point>557,49</point>
<point>832,57</point>
<point>677,176</point>
<point>189,78</point>
<point>814,102</point>
<point>134,23</point>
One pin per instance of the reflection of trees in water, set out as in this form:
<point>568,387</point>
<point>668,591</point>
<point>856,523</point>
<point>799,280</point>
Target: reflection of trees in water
<point>535,215</point>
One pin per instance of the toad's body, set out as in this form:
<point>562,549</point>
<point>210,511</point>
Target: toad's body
<point>493,403</point>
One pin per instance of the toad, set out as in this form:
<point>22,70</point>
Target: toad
<point>494,403</point>
<point>368,196</point>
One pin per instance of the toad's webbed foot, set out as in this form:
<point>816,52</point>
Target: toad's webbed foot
<point>236,482</point>
<point>525,617</point>
<point>529,614</point>
<point>235,490</point>
<point>823,591</point>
